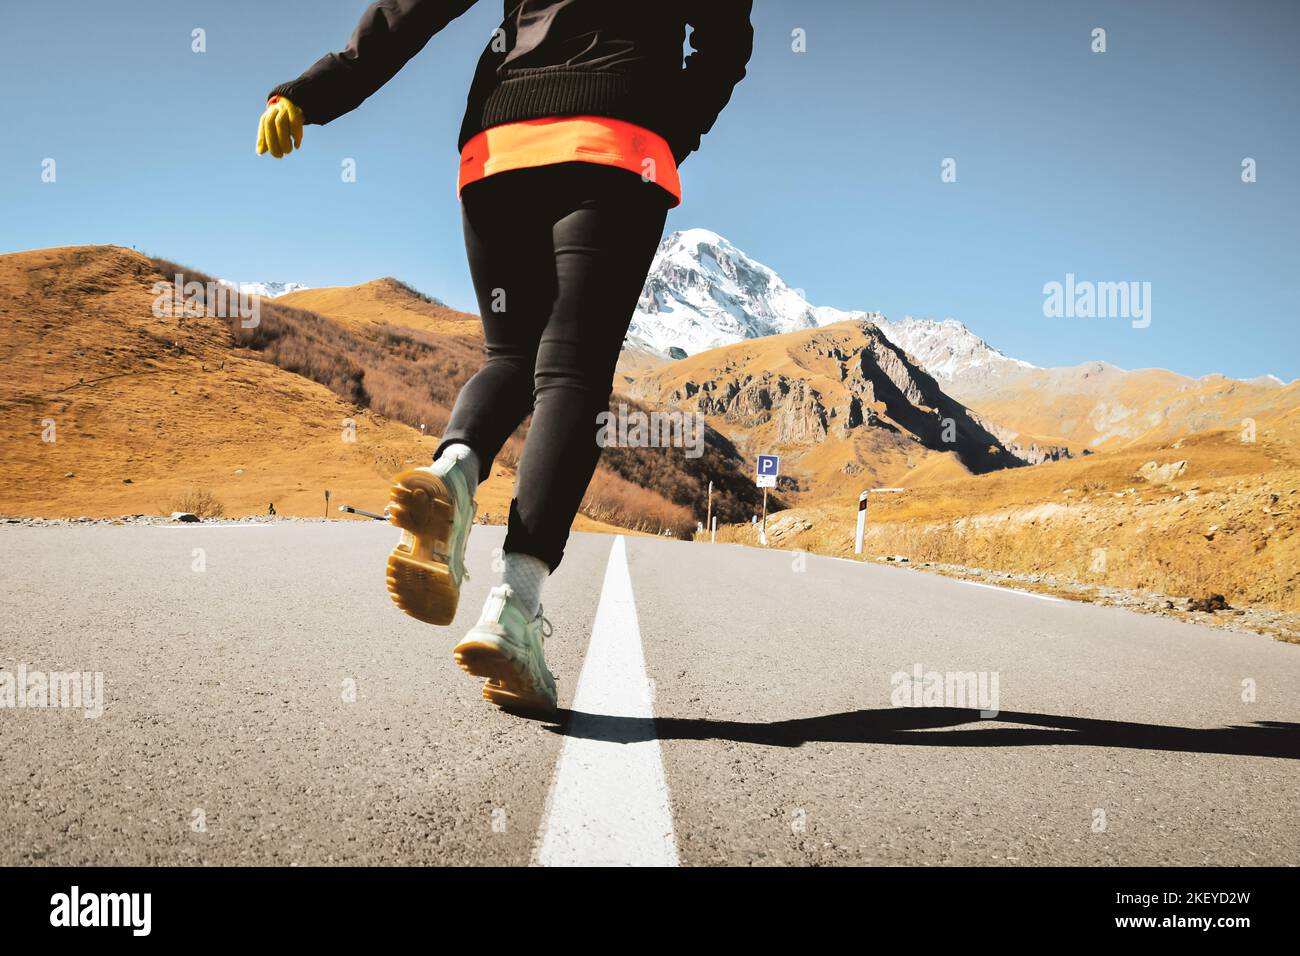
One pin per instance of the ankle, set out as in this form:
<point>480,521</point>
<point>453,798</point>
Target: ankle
<point>465,460</point>
<point>525,574</point>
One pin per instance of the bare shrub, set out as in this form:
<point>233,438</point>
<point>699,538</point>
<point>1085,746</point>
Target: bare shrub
<point>198,501</point>
<point>617,501</point>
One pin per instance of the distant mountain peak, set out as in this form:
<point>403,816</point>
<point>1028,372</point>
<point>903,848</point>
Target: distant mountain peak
<point>1268,381</point>
<point>702,293</point>
<point>947,349</point>
<point>695,236</point>
<point>267,290</point>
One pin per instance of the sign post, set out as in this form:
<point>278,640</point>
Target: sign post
<point>327,504</point>
<point>769,466</point>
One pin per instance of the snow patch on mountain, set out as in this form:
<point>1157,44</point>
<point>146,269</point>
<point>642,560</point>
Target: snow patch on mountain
<point>1268,381</point>
<point>948,350</point>
<point>267,290</point>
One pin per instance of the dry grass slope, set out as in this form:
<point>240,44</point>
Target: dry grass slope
<point>1226,524</point>
<point>109,410</point>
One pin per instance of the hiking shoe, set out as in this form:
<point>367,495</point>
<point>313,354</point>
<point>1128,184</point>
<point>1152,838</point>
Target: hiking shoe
<point>506,648</point>
<point>435,510</point>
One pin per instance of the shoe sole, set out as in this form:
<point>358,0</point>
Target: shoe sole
<point>420,581</point>
<point>508,683</point>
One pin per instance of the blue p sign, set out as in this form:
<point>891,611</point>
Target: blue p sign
<point>769,465</point>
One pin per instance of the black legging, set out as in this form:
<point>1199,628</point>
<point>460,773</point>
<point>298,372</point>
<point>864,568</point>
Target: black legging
<point>558,255</point>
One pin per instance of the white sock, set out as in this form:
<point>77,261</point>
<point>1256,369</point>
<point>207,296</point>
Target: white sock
<point>526,574</point>
<point>466,462</point>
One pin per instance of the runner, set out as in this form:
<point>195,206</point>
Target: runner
<point>578,116</point>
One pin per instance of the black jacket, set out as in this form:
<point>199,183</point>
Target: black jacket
<point>615,58</point>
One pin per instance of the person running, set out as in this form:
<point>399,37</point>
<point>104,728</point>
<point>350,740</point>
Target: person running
<point>578,116</point>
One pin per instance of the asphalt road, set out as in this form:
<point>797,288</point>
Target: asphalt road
<point>264,702</point>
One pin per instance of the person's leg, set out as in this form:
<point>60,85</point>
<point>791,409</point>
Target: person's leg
<point>508,245</point>
<point>508,242</point>
<point>604,236</point>
<point>604,239</point>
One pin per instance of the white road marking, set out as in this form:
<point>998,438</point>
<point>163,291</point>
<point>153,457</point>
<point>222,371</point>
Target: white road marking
<point>994,587</point>
<point>609,802</point>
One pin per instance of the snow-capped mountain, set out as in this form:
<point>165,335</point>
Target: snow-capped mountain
<point>702,293</point>
<point>267,290</point>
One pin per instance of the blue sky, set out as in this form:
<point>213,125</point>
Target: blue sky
<point>1115,166</point>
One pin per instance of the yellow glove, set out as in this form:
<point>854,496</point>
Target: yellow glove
<point>280,130</point>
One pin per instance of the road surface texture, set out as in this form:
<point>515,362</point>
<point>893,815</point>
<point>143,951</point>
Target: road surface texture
<point>266,703</point>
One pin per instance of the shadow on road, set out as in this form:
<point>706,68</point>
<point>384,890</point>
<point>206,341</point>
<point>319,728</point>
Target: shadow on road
<point>923,727</point>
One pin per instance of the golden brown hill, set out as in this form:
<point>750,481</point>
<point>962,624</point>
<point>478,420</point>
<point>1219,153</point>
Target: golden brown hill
<point>142,408</point>
<point>385,302</point>
<point>1097,405</point>
<point>632,364</point>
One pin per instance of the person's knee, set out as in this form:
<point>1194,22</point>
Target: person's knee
<point>510,371</point>
<point>509,359</point>
<point>587,374</point>
<point>575,385</point>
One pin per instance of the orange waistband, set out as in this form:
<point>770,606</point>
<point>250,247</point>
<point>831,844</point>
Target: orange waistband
<point>567,139</point>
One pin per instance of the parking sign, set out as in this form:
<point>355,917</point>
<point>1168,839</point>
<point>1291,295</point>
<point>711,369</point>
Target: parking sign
<point>769,466</point>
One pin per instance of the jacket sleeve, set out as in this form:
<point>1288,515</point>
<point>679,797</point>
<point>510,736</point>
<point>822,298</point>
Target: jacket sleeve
<point>389,34</point>
<point>722,40</point>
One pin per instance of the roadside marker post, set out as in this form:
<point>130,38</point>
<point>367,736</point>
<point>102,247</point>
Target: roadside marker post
<point>862,522</point>
<point>708,515</point>
<point>713,534</point>
<point>862,516</point>
<point>327,504</point>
